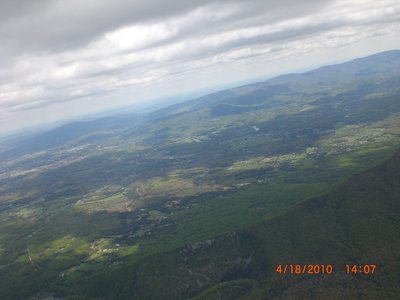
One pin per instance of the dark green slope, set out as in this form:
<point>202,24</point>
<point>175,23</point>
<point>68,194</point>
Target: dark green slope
<point>356,223</point>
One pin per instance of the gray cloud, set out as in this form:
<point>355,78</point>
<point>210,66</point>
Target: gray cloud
<point>55,25</point>
<point>47,26</point>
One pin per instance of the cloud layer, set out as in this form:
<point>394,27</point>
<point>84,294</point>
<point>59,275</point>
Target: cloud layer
<point>70,56</point>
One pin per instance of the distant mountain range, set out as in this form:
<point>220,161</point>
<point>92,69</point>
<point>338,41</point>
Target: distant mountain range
<point>373,72</point>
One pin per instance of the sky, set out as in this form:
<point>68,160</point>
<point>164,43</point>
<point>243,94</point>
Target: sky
<point>61,59</point>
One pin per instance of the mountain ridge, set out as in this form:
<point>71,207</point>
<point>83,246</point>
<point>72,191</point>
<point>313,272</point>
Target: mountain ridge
<point>350,225</point>
<point>258,92</point>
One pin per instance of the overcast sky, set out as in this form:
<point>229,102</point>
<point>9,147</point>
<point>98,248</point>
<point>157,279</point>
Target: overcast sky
<point>59,59</point>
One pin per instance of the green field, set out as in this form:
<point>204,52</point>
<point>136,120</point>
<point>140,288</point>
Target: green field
<point>200,200</point>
